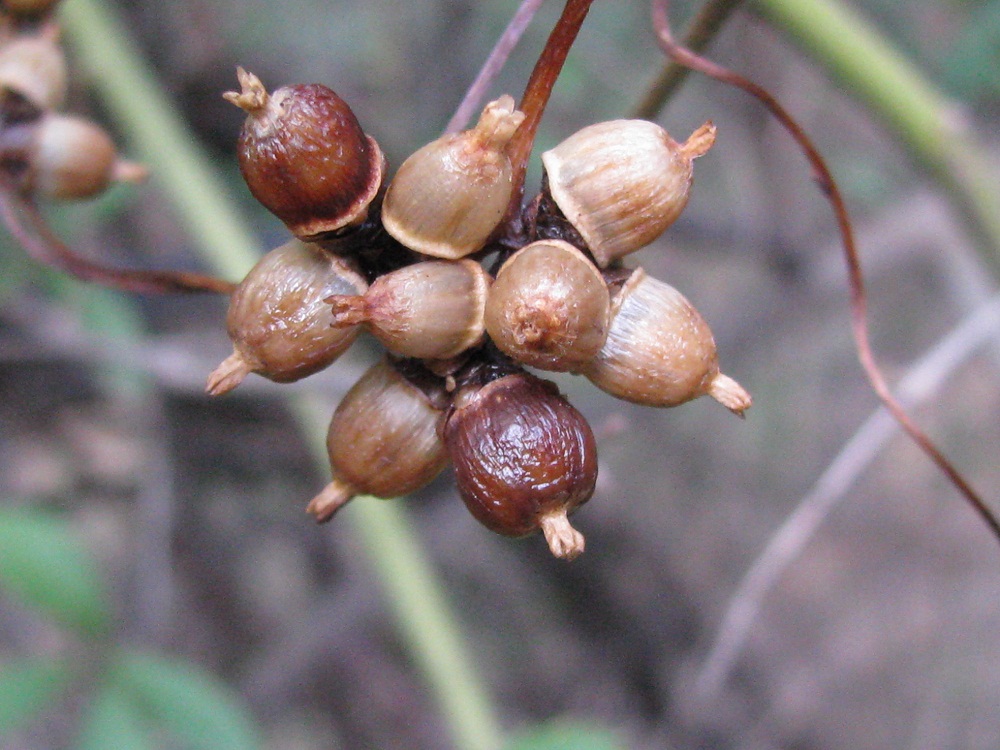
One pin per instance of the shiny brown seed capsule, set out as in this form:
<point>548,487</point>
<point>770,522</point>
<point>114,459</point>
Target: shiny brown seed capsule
<point>305,157</point>
<point>524,459</point>
<point>384,439</point>
<point>278,321</point>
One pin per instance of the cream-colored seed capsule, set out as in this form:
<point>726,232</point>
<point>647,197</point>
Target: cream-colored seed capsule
<point>660,351</point>
<point>549,307</point>
<point>449,196</point>
<point>622,183</point>
<point>429,310</point>
<point>34,67</point>
<point>383,440</point>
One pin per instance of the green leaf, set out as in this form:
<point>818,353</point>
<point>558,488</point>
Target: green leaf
<point>568,735</point>
<point>185,702</point>
<point>112,721</point>
<point>43,564</point>
<point>26,686</point>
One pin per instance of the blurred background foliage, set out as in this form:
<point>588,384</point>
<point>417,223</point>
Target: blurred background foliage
<point>160,585</point>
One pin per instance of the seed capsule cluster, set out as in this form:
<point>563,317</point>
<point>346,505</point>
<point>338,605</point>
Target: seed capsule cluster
<point>463,300</point>
<point>45,152</point>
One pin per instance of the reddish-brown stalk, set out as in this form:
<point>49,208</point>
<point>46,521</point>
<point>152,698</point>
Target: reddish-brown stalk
<point>537,92</point>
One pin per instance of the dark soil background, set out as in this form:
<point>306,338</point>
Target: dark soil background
<point>884,633</point>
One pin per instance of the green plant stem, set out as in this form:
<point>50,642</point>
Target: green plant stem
<point>158,134</point>
<point>928,124</point>
<point>420,606</point>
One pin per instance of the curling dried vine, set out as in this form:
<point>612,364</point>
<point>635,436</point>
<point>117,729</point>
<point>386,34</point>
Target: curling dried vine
<point>828,185</point>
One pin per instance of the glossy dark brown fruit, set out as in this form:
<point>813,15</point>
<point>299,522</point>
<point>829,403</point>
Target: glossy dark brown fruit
<point>524,458</point>
<point>305,157</point>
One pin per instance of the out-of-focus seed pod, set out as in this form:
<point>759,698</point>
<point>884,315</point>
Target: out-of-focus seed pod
<point>549,307</point>
<point>622,183</point>
<point>34,66</point>
<point>384,439</point>
<point>524,458</point>
<point>278,321</point>
<point>660,351</point>
<point>305,157</point>
<point>449,196</point>
<point>28,8</point>
<point>70,158</point>
<point>428,310</point>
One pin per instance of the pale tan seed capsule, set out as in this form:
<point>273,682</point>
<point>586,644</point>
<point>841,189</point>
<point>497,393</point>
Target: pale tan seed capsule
<point>622,183</point>
<point>34,66</point>
<point>549,307</point>
<point>660,351</point>
<point>383,440</point>
<point>278,321</point>
<point>429,310</point>
<point>72,158</point>
<point>449,196</point>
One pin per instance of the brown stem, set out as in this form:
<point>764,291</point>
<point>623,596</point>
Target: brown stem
<point>24,221</point>
<point>859,304</point>
<point>538,90</point>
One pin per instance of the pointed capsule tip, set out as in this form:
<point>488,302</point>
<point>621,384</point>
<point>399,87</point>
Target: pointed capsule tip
<point>730,394</point>
<point>564,541</point>
<point>229,374</point>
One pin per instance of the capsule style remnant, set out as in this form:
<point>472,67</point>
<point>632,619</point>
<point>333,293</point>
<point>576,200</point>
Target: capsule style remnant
<point>449,196</point>
<point>524,458</point>
<point>429,310</point>
<point>549,307</point>
<point>660,351</point>
<point>622,183</point>
<point>305,157</point>
<point>278,321</point>
<point>384,439</point>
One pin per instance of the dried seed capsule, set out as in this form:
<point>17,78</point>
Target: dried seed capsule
<point>66,158</point>
<point>524,458</point>
<point>622,183</point>
<point>34,66</point>
<point>305,157</point>
<point>278,321</point>
<point>660,351</point>
<point>449,196</point>
<point>384,438</point>
<point>549,307</point>
<point>428,310</point>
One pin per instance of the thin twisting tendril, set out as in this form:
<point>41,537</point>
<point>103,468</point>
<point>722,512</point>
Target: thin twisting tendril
<point>859,304</point>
